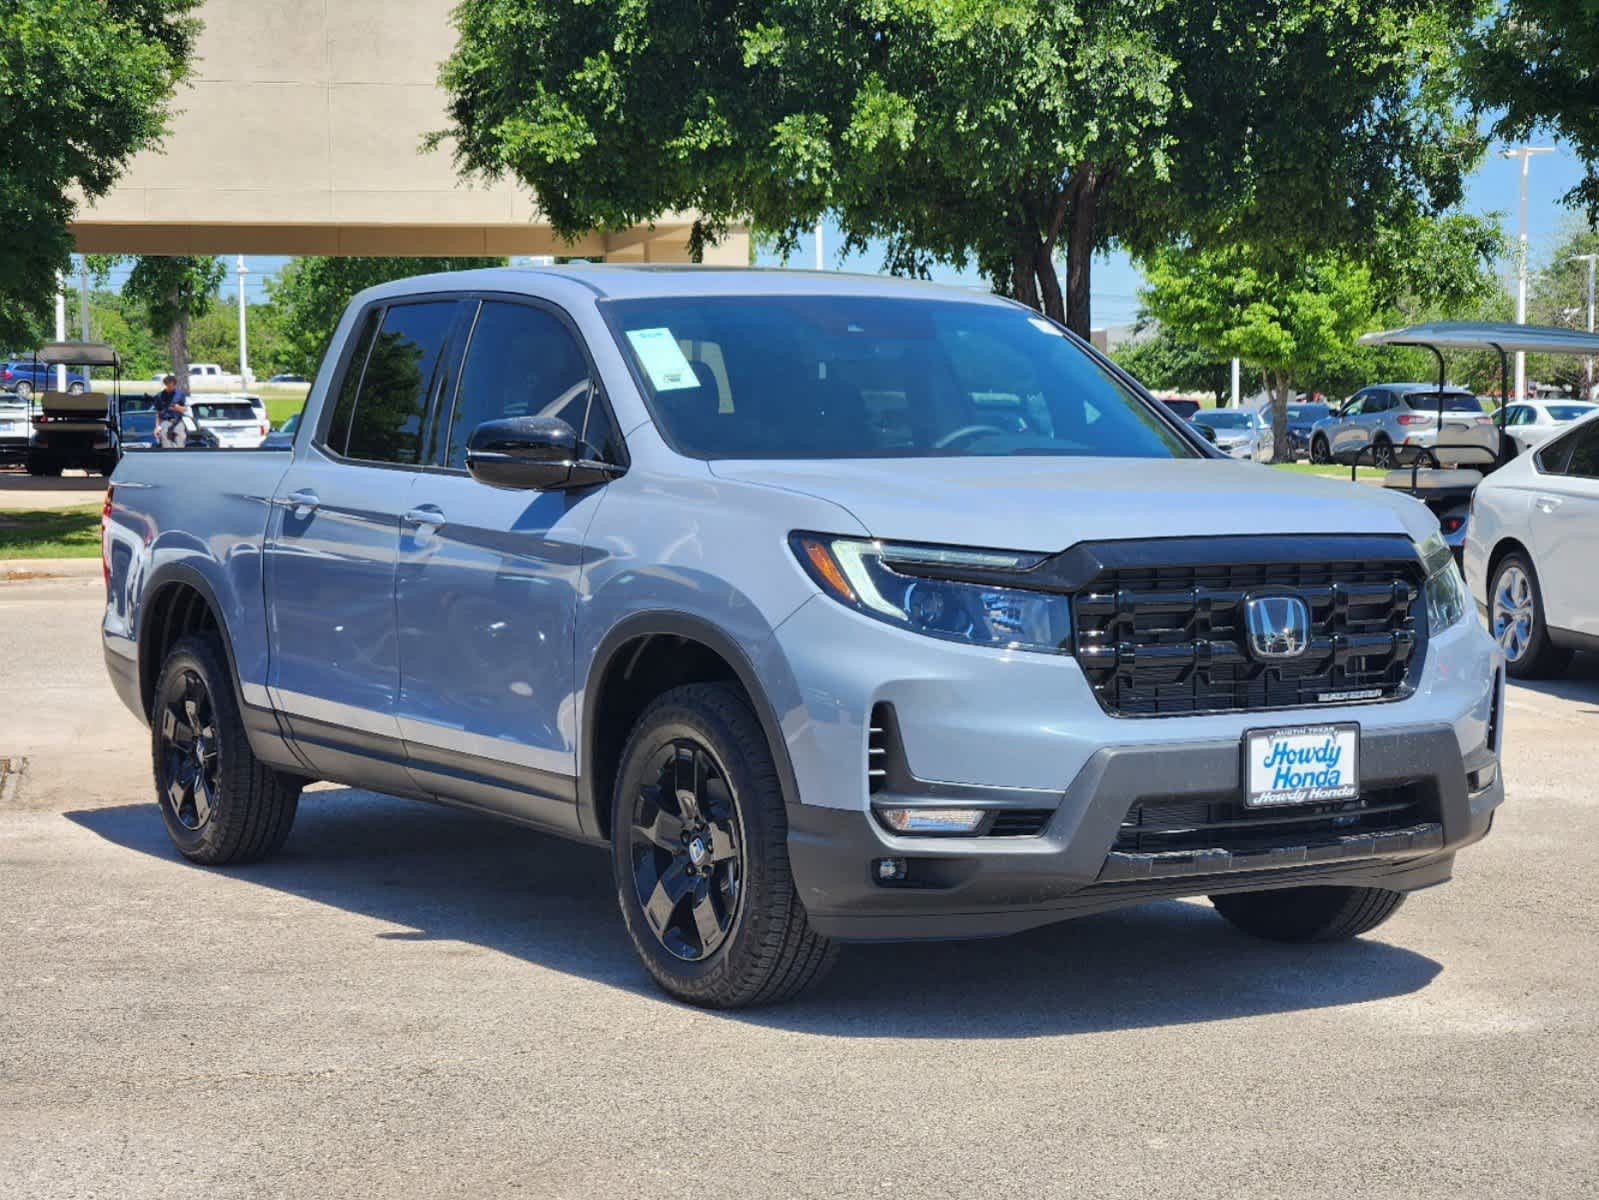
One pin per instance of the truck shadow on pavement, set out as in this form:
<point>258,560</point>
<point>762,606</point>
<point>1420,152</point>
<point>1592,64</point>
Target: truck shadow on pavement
<point>448,875</point>
<point>1578,682</point>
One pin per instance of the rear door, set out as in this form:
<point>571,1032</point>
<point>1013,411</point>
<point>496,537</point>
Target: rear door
<point>333,540</point>
<point>488,582</point>
<point>1565,530</point>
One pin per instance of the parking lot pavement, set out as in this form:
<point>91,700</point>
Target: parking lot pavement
<point>413,1001</point>
<point>19,490</point>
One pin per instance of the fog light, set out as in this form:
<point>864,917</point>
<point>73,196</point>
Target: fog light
<point>932,820</point>
<point>892,870</point>
<point>1481,781</point>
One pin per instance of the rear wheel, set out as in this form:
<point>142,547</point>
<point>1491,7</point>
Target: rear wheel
<point>1382,453</point>
<point>219,803</point>
<point>699,841</point>
<point>1516,620</point>
<point>24,390</point>
<point>74,389</point>
<point>43,468</point>
<point>1309,914</point>
<point>1320,452</point>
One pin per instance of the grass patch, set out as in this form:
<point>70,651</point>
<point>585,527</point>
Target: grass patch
<point>51,533</point>
<point>1331,470</point>
<point>281,408</point>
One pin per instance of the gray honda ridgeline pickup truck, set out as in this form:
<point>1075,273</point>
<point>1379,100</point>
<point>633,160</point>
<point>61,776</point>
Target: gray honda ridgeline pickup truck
<point>837,608</point>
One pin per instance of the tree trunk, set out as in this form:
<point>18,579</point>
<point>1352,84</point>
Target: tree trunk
<point>1024,280</point>
<point>1049,295</point>
<point>1080,256</point>
<point>1281,388</point>
<point>178,348</point>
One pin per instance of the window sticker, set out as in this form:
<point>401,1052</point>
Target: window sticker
<point>662,359</point>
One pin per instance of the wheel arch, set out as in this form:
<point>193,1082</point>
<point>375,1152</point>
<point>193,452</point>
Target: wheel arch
<point>630,667</point>
<point>1503,548</point>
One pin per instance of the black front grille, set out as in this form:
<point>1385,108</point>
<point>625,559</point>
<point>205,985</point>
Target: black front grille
<point>1019,822</point>
<point>1163,640</point>
<point>1156,826</point>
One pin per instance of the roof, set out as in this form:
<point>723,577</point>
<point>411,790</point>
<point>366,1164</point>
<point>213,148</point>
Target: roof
<point>77,354</point>
<point>1487,335</point>
<point>616,281</point>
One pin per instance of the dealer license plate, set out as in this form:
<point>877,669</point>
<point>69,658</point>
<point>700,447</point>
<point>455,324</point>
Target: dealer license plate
<point>1303,764</point>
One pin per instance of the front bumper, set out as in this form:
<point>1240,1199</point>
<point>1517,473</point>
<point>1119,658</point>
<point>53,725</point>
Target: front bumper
<point>982,887</point>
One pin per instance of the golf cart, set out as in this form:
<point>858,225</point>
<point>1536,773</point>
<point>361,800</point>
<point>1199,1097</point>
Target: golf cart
<point>74,428</point>
<point>1446,461</point>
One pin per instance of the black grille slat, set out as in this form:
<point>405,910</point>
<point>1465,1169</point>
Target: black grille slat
<point>1169,640</point>
<point>1154,826</point>
<point>1020,822</point>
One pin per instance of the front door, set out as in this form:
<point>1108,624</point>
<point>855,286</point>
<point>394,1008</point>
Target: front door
<point>487,586</point>
<point>1565,533</point>
<point>333,539</point>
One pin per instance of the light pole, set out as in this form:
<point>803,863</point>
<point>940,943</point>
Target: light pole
<point>244,357</point>
<point>1590,259</point>
<point>61,327</point>
<point>83,297</point>
<point>1524,153</point>
<point>819,259</point>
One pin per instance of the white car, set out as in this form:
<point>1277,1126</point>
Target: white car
<point>1533,422</point>
<point>231,420</point>
<point>1240,432</point>
<point>1532,552</point>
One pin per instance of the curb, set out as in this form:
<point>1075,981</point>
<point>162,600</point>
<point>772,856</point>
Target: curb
<point>21,570</point>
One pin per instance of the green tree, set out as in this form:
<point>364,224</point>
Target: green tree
<point>1162,360</point>
<point>1000,133</point>
<point>171,291</point>
<point>1296,318</point>
<point>310,295</point>
<point>1536,66</point>
<point>84,85</point>
<point>1558,295</point>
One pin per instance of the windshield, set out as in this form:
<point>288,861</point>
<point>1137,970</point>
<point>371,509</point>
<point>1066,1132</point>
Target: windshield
<point>1224,419</point>
<point>223,412</point>
<point>802,377</point>
<point>1569,412</point>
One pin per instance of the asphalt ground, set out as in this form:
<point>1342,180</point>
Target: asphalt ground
<point>413,1001</point>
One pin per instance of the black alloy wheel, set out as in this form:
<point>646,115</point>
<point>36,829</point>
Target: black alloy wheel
<point>1382,454</point>
<point>1319,453</point>
<point>190,753</point>
<point>686,850</point>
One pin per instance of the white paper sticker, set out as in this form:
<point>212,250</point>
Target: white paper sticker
<point>662,359</point>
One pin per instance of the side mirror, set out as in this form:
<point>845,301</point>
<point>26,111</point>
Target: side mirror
<point>540,454</point>
<point>1206,432</point>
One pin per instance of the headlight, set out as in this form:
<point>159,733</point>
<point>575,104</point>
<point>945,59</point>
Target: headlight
<point>911,586</point>
<point>1447,598</point>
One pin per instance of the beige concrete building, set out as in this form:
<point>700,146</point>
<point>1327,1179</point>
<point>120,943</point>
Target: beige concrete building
<point>301,135</point>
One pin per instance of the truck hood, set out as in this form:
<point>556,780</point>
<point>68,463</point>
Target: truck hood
<point>1048,504</point>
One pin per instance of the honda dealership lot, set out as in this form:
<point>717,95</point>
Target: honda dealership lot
<point>416,1001</point>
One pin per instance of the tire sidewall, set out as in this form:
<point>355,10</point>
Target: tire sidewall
<point>1530,664</point>
<point>660,724</point>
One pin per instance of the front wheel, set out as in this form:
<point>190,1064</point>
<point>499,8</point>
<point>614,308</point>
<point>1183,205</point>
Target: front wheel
<point>1309,914</point>
<point>699,839</point>
<point>1320,453</point>
<point>43,469</point>
<point>219,803</point>
<point>1382,454</point>
<point>1516,620</point>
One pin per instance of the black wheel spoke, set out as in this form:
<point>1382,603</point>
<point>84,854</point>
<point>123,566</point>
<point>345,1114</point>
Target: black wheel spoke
<point>656,825</point>
<point>687,773</point>
<point>723,844</point>
<point>175,726</point>
<point>190,753</point>
<point>707,921</point>
<point>674,883</point>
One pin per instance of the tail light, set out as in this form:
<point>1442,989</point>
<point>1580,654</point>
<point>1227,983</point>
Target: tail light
<point>1414,418</point>
<point>105,536</point>
<point>1452,524</point>
<point>265,429</point>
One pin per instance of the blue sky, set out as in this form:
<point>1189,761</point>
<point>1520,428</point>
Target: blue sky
<point>1492,188</point>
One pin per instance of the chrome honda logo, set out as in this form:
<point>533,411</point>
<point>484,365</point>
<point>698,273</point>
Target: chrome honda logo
<point>1278,626</point>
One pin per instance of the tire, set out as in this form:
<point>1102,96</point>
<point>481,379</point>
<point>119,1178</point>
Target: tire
<point>1320,452</point>
<point>1516,621</point>
<point>220,804</point>
<point>736,934</point>
<point>74,389</point>
<point>1309,914</point>
<point>1382,453</point>
<point>42,469</point>
<point>24,390</point>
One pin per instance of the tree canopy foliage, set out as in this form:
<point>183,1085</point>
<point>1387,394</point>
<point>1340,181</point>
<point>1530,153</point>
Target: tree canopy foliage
<point>1537,67</point>
<point>86,85</point>
<point>311,294</point>
<point>1296,318</point>
<point>1163,360</point>
<point>999,133</point>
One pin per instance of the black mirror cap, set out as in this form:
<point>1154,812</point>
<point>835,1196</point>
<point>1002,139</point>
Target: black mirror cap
<point>524,453</point>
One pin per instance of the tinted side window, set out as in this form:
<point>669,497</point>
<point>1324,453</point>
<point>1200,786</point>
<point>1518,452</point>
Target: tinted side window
<point>522,362</point>
<point>1585,453</point>
<point>401,376</point>
<point>344,404</point>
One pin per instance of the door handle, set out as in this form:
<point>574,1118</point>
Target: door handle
<point>302,501</point>
<point>1547,504</point>
<point>429,515</point>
